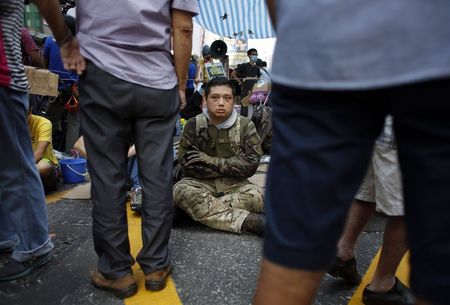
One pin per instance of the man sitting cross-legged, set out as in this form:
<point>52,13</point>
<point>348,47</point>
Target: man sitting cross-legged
<point>41,139</point>
<point>219,150</point>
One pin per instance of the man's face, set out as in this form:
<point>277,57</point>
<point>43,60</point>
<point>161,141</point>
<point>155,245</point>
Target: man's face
<point>253,56</point>
<point>220,102</point>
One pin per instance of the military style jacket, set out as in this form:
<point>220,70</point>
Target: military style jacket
<point>237,150</point>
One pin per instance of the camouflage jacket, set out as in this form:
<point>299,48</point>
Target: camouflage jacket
<point>237,150</point>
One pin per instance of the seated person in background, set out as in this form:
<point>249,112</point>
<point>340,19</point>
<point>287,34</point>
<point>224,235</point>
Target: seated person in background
<point>41,138</point>
<point>193,106</point>
<point>136,196</point>
<point>136,189</point>
<point>219,150</point>
<point>80,148</point>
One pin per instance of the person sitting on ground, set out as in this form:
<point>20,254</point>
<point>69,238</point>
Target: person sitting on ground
<point>193,105</point>
<point>80,148</point>
<point>219,150</point>
<point>41,138</point>
<point>136,189</point>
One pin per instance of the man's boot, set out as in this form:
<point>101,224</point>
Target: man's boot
<point>254,223</point>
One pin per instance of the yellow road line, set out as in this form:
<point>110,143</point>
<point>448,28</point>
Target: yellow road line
<point>402,274</point>
<point>52,197</point>
<point>167,296</point>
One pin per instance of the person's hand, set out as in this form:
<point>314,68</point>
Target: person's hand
<point>182,98</point>
<point>131,151</point>
<point>196,156</point>
<point>71,56</point>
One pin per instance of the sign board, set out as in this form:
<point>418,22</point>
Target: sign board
<point>42,81</point>
<point>215,69</point>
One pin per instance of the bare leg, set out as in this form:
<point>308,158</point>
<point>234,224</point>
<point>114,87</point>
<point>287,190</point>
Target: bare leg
<point>287,286</point>
<point>44,168</point>
<point>359,215</point>
<point>393,250</point>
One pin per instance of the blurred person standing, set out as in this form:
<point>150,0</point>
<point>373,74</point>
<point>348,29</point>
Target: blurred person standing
<point>247,74</point>
<point>24,240</point>
<point>132,87</point>
<point>192,72</point>
<point>31,55</point>
<point>201,73</point>
<point>381,191</point>
<point>57,106</point>
<point>354,63</point>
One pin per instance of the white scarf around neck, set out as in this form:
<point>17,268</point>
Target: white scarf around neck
<point>228,122</point>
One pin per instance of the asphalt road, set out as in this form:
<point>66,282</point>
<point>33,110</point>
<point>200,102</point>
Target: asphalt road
<point>210,267</point>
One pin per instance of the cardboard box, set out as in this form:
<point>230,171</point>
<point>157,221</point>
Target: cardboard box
<point>42,81</point>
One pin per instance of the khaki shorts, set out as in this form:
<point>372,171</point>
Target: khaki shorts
<point>382,183</point>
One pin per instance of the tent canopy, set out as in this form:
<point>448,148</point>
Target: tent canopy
<point>247,19</point>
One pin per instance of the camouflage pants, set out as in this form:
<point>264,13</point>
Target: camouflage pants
<point>200,200</point>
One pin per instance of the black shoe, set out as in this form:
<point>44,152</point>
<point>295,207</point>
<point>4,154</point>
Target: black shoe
<point>345,270</point>
<point>13,270</point>
<point>254,223</point>
<point>398,295</point>
<point>136,200</point>
<point>5,254</point>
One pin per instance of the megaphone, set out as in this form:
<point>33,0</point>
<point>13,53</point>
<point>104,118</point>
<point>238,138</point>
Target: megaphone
<point>218,49</point>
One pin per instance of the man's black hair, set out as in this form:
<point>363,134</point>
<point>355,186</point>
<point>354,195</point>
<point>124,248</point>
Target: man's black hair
<point>252,50</point>
<point>219,81</point>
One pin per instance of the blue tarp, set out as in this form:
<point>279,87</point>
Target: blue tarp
<point>247,19</point>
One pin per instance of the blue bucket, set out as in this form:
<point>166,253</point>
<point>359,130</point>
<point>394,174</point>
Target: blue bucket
<point>73,170</point>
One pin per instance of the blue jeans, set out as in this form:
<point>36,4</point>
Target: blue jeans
<point>134,174</point>
<point>322,144</point>
<point>23,211</point>
<point>178,129</point>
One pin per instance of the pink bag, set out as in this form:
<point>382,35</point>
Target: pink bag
<point>258,97</point>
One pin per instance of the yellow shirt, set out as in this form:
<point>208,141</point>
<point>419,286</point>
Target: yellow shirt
<point>41,131</point>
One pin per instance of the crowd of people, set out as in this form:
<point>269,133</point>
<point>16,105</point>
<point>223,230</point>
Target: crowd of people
<point>338,99</point>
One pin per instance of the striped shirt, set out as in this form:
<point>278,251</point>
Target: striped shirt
<point>12,73</point>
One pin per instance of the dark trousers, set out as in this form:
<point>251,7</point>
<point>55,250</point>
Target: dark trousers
<point>112,112</point>
<point>322,144</point>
